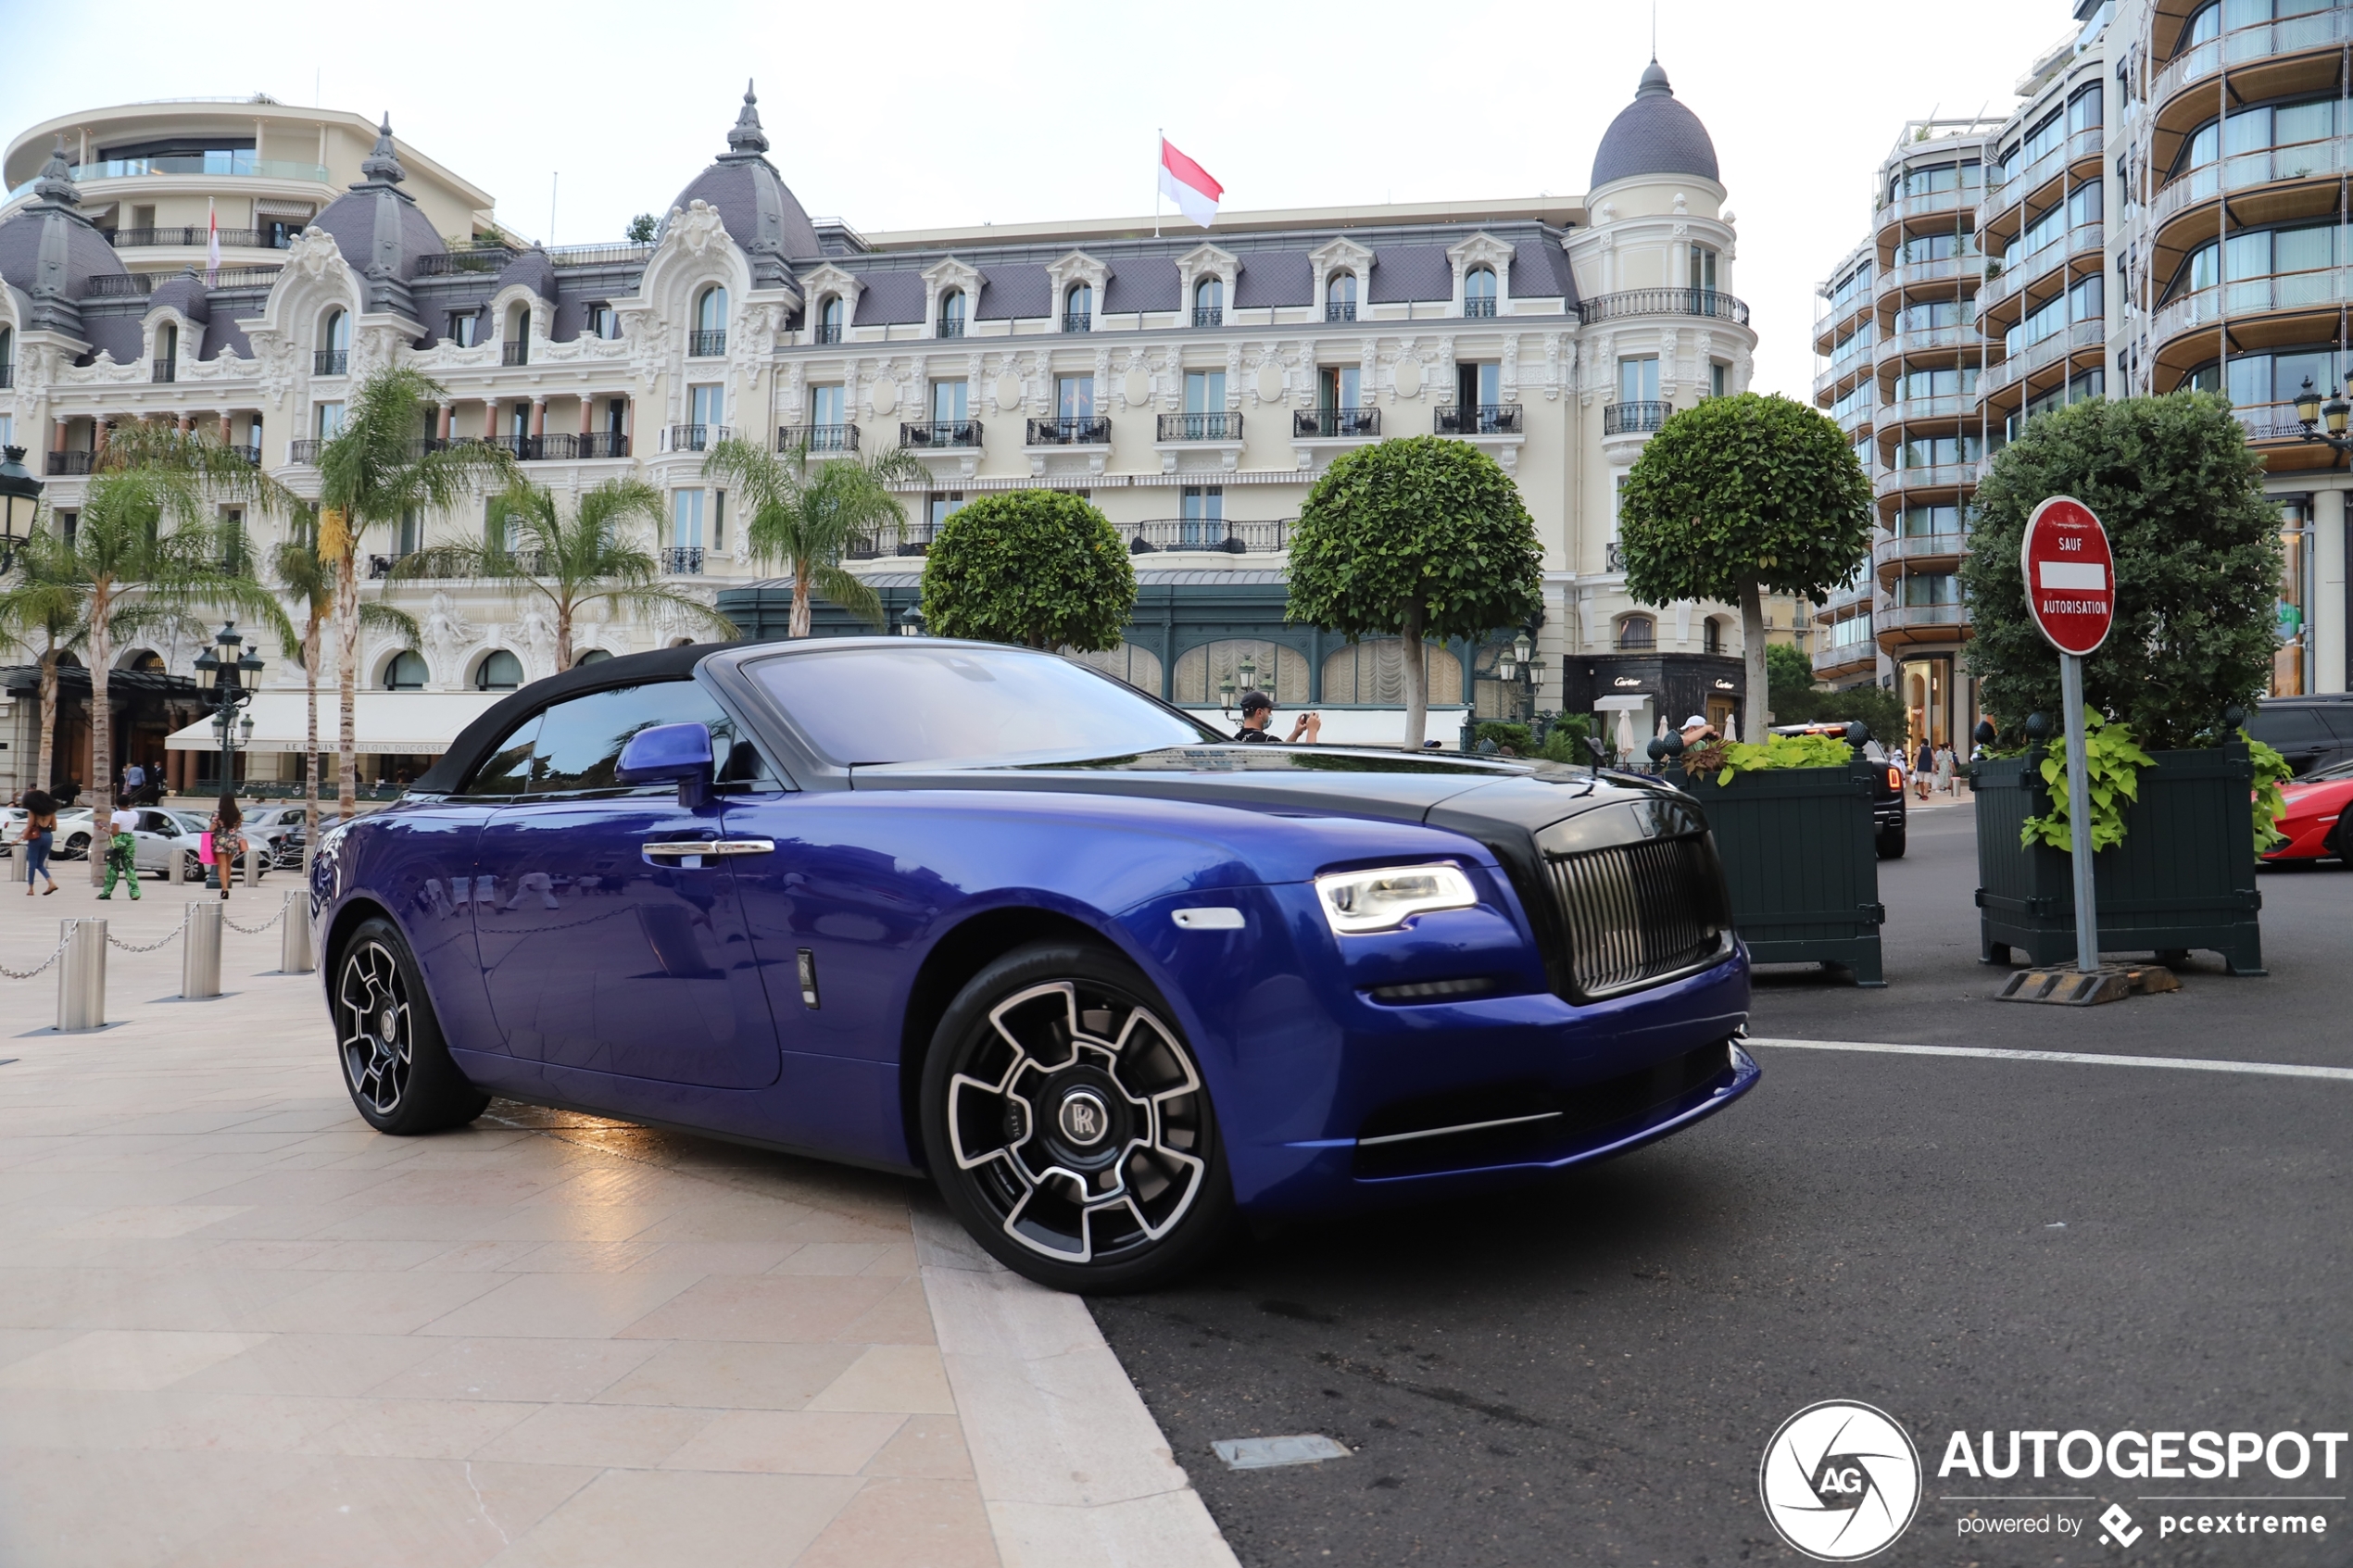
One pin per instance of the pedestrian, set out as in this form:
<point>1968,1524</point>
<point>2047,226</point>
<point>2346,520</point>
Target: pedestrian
<point>227,841</point>
<point>40,833</point>
<point>134,779</point>
<point>122,851</point>
<point>1923,769</point>
<point>1698,732</point>
<point>1258,717</point>
<point>1947,766</point>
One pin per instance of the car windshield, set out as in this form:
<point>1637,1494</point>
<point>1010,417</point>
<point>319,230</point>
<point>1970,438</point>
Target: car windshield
<point>925,703</point>
<point>2328,775</point>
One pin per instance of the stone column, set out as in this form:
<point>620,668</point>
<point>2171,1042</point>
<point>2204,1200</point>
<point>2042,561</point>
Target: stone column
<point>490,419</point>
<point>2329,606</point>
<point>228,420</point>
<point>64,424</point>
<point>587,413</point>
<point>538,417</point>
<point>449,419</point>
<point>101,427</point>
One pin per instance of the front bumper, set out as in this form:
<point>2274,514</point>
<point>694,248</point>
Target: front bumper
<point>1420,1101</point>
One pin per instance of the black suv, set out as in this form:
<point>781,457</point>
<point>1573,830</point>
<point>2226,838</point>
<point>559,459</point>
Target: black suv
<point>2310,732</point>
<point>1887,791</point>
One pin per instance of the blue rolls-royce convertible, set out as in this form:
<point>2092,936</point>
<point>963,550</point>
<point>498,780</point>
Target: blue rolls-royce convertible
<point>955,908</point>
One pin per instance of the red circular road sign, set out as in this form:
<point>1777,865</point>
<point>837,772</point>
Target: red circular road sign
<point>2070,575</point>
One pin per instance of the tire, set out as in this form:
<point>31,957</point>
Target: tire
<point>192,868</point>
<point>395,1064</point>
<point>1891,844</point>
<point>1068,1127</point>
<point>76,847</point>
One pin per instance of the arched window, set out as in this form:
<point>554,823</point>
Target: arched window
<point>709,339</point>
<point>1478,292</point>
<point>1201,672</point>
<point>406,671</point>
<point>146,660</point>
<point>1138,667</point>
<point>334,357</point>
<point>1079,308</point>
<point>1339,297</point>
<point>829,319</point>
<point>7,354</point>
<point>517,336</point>
<point>951,313</point>
<point>167,366</point>
<point>1711,636</point>
<point>1373,672</point>
<point>499,672</point>
<point>1637,632</point>
<point>1209,303</point>
<point>593,655</point>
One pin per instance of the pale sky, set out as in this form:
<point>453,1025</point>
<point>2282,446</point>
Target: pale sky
<point>916,115</point>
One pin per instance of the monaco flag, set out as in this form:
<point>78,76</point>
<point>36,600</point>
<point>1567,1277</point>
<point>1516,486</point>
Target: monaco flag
<point>211,246</point>
<point>1189,185</point>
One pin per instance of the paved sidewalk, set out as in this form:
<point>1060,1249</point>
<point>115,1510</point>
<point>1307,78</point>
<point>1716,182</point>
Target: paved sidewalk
<point>237,1326</point>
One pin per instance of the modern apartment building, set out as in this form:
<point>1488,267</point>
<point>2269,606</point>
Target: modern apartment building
<point>1192,384</point>
<point>2165,208</point>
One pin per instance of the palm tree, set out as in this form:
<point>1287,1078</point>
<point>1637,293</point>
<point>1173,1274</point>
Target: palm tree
<point>131,573</point>
<point>570,564</point>
<point>370,473</point>
<point>806,517</point>
<point>310,580</point>
<point>43,615</point>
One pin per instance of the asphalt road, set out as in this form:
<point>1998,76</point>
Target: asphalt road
<point>1589,1371</point>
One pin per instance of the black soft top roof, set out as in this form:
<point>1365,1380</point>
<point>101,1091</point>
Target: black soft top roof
<point>474,742</point>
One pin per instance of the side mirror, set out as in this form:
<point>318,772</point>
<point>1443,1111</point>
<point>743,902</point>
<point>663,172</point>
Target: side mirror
<point>668,752</point>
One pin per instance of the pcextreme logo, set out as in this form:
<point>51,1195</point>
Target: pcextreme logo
<point>1840,1481</point>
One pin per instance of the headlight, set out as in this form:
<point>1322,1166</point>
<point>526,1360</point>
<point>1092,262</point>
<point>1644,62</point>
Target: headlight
<point>1355,902</point>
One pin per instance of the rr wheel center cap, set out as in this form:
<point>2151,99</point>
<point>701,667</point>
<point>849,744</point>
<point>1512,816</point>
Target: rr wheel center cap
<point>1084,1118</point>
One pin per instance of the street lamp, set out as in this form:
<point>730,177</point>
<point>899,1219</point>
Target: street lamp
<point>1225,694</point>
<point>2310,412</point>
<point>911,622</point>
<point>1248,671</point>
<point>230,674</point>
<point>19,504</point>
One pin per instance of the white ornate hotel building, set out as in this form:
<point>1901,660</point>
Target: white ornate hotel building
<point>1192,385</point>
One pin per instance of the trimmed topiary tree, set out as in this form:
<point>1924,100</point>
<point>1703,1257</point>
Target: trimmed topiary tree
<point>1417,537</point>
<point>1737,497</point>
<point>2198,566</point>
<point>1036,566</point>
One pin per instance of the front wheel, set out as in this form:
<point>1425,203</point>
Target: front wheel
<point>396,1063</point>
<point>1068,1127</point>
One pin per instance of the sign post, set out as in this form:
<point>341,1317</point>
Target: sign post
<point>2071,592</point>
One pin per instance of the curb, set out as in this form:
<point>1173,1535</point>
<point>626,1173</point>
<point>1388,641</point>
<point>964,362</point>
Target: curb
<point>1073,1469</point>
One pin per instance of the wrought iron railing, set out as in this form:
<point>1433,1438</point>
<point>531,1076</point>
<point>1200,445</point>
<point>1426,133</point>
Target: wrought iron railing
<point>827,332</point>
<point>707,345</point>
<point>1340,310</point>
<point>1711,303</point>
<point>1334,423</point>
<point>1208,315</point>
<point>1078,320</point>
<point>1634,418</point>
<point>477,259</point>
<point>940,433</point>
<point>621,253</point>
<point>1091,431</point>
<point>682,560</point>
<point>1200,427</point>
<point>66,463</point>
<point>602,443</point>
<point>331,361</point>
<point>1478,307</point>
<point>817,438</point>
<point>8,377</point>
<point>197,234</point>
<point>693,438</point>
<point>1229,536</point>
<point>1478,418</point>
<point>952,326</point>
<point>122,285</point>
<point>304,450</point>
<point>250,454</point>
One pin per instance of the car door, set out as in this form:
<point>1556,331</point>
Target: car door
<point>152,840</point>
<point>2297,734</point>
<point>603,948</point>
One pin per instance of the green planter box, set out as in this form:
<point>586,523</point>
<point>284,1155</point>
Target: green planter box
<point>2184,877</point>
<point>1801,863</point>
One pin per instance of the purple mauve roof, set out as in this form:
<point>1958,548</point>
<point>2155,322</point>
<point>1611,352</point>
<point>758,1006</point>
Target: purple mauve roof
<point>1148,282</point>
<point>87,253</point>
<point>1403,272</point>
<point>1654,134</point>
<point>222,333</point>
<point>184,293</point>
<point>1274,277</point>
<point>350,222</point>
<point>1008,292</point>
<point>889,297</point>
<point>533,271</point>
<point>1540,271</point>
<point>118,335</point>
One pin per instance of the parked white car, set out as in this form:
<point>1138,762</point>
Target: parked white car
<point>74,832</point>
<point>161,833</point>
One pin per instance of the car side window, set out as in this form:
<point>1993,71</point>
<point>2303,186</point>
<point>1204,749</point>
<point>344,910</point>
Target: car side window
<point>580,741</point>
<point>2286,727</point>
<point>508,768</point>
<point>155,822</point>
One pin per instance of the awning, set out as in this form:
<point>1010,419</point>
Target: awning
<point>384,723</point>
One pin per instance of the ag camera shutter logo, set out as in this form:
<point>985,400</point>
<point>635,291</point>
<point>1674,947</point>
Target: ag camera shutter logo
<point>1840,1481</point>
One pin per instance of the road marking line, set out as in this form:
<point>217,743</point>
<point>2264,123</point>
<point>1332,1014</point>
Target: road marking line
<point>2096,1058</point>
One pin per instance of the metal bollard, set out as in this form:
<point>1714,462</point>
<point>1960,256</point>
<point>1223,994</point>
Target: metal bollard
<point>295,953</point>
<point>172,857</point>
<point>82,976</point>
<point>252,865</point>
<point>200,951</point>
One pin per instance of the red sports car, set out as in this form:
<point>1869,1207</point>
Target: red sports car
<point>2316,805</point>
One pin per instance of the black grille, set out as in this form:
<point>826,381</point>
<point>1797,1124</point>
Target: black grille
<point>1635,913</point>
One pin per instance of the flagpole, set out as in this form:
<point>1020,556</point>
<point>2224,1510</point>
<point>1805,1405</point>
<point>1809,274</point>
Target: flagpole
<point>1160,155</point>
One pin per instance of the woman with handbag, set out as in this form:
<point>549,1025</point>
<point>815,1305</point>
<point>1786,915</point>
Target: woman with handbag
<point>39,833</point>
<point>227,841</point>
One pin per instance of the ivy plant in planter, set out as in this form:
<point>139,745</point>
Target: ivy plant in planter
<point>2198,568</point>
<point>1792,823</point>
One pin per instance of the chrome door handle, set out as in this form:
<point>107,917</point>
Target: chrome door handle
<point>712,847</point>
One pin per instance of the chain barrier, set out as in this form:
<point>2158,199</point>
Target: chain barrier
<point>254,930</point>
<point>112,940</point>
<point>55,954</point>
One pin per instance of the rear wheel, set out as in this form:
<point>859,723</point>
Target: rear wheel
<point>1068,1127</point>
<point>1891,844</point>
<point>395,1063</point>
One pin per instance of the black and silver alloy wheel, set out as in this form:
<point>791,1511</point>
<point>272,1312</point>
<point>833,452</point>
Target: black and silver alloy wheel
<point>373,1026</point>
<point>1068,1123</point>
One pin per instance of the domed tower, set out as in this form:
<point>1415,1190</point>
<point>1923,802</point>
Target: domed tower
<point>1654,134</point>
<point>760,210</point>
<point>381,231</point>
<point>50,252</point>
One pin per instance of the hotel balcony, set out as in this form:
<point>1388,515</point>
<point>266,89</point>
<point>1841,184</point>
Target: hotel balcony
<point>1224,535</point>
<point>2316,33</point>
<point>1841,661</point>
<point>1917,552</point>
<point>818,440</point>
<point>2003,212</point>
<point>1913,276</point>
<point>1200,427</point>
<point>1335,424</point>
<point>199,170</point>
<point>940,435</point>
<point>1479,419</point>
<point>66,464</point>
<point>1901,626</point>
<point>2001,296</point>
<point>1634,417</point>
<point>693,438</point>
<point>2082,345</point>
<point>1711,303</point>
<point>1092,429</point>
